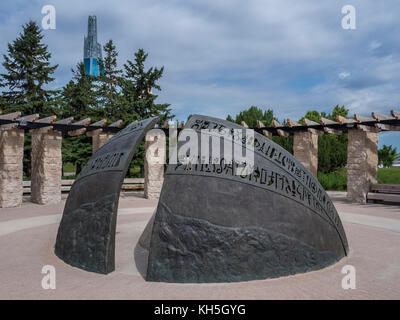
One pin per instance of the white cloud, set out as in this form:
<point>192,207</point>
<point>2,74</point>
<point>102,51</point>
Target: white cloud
<point>344,75</point>
<point>223,56</point>
<point>374,45</point>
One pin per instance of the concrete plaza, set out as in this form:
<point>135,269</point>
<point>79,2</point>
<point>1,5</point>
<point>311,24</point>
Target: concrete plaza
<point>27,237</point>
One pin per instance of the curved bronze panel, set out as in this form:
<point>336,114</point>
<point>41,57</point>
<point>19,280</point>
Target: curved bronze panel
<point>214,226</point>
<point>86,235</point>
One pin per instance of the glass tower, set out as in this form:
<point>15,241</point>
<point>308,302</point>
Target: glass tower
<point>92,49</point>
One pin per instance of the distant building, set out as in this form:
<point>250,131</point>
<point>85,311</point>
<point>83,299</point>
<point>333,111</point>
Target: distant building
<point>92,53</point>
<point>396,164</point>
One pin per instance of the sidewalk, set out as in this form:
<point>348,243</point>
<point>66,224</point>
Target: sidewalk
<point>27,237</point>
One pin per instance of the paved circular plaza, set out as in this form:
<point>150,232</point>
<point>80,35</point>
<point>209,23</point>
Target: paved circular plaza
<point>27,238</point>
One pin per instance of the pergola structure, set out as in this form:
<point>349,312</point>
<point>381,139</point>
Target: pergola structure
<point>47,135</point>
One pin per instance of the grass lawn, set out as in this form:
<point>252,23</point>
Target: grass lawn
<point>69,167</point>
<point>389,175</point>
<point>338,180</point>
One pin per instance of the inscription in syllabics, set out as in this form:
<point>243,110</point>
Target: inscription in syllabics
<point>290,178</point>
<point>266,178</point>
<point>107,161</point>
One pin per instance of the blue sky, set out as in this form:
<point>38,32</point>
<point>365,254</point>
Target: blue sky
<point>223,56</point>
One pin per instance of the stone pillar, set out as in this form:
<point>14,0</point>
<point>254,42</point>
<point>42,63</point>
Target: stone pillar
<point>305,149</point>
<point>11,167</point>
<point>46,167</point>
<point>154,163</point>
<point>99,139</point>
<point>362,164</point>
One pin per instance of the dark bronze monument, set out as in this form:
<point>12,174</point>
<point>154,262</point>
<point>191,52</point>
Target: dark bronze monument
<point>212,225</point>
<point>86,235</point>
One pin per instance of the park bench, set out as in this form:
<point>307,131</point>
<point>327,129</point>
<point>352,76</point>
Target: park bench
<point>130,184</point>
<point>384,193</point>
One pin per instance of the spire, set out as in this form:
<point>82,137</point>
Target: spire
<point>92,49</point>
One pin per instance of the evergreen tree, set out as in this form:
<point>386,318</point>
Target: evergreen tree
<point>79,96</point>
<point>110,84</point>
<point>138,100</point>
<point>137,88</point>
<point>229,118</point>
<point>28,70</point>
<point>79,101</point>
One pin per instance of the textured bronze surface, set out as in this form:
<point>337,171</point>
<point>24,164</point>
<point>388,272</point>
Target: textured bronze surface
<point>212,225</point>
<point>86,235</point>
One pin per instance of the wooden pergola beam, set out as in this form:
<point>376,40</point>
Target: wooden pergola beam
<point>343,120</point>
<point>11,116</point>
<point>96,132</point>
<point>276,124</point>
<point>8,126</point>
<point>30,118</point>
<point>292,123</point>
<point>359,118</point>
<point>280,132</point>
<point>101,123</point>
<point>381,117</point>
<point>84,122</point>
<point>387,127</point>
<point>117,124</point>
<point>310,122</point>
<point>395,114</point>
<point>367,128</point>
<point>313,130</point>
<point>267,133</point>
<point>66,121</point>
<point>325,121</point>
<point>78,132</point>
<point>333,131</point>
<point>49,120</point>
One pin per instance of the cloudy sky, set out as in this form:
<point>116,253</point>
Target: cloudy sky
<point>223,56</point>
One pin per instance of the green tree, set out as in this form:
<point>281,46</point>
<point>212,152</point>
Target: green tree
<point>79,96</point>
<point>137,89</point>
<point>28,71</point>
<point>109,88</point>
<point>139,100</point>
<point>80,100</point>
<point>332,149</point>
<point>311,115</point>
<point>387,155</point>
<point>251,115</point>
<point>229,118</point>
